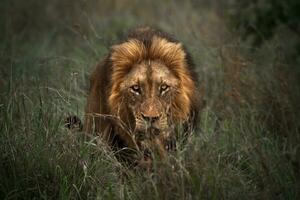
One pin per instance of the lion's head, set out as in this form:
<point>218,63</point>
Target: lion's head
<point>148,83</point>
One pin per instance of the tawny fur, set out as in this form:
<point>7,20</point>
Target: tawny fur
<point>105,97</point>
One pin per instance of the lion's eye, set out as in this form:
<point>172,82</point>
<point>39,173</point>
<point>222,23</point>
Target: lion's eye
<point>164,88</point>
<point>135,89</point>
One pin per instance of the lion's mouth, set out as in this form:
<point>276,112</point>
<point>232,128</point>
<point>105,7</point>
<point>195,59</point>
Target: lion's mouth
<point>148,133</point>
<point>153,138</point>
<point>153,143</point>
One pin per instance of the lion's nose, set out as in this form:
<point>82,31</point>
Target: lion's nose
<point>150,118</point>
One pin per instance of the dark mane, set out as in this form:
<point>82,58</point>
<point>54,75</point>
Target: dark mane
<point>146,34</point>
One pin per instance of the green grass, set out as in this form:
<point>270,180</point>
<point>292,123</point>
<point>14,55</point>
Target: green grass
<point>248,145</point>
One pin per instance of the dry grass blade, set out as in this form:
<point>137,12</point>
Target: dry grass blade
<point>117,122</point>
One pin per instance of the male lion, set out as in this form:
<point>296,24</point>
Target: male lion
<point>141,92</point>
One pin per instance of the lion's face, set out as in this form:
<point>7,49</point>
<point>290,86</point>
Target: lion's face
<point>149,89</point>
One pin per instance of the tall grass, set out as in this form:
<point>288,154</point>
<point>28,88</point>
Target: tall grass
<point>248,144</point>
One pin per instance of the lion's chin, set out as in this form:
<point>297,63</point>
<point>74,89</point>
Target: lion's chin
<point>155,146</point>
<point>143,133</point>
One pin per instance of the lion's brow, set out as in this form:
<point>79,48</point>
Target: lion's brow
<point>149,75</point>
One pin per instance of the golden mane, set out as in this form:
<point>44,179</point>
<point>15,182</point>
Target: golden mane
<point>172,54</point>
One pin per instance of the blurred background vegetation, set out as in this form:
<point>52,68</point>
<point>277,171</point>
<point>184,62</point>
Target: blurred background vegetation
<point>247,57</point>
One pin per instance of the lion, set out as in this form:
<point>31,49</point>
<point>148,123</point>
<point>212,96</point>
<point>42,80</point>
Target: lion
<point>141,92</point>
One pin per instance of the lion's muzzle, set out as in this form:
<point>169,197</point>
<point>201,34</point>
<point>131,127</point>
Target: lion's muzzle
<point>151,110</point>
